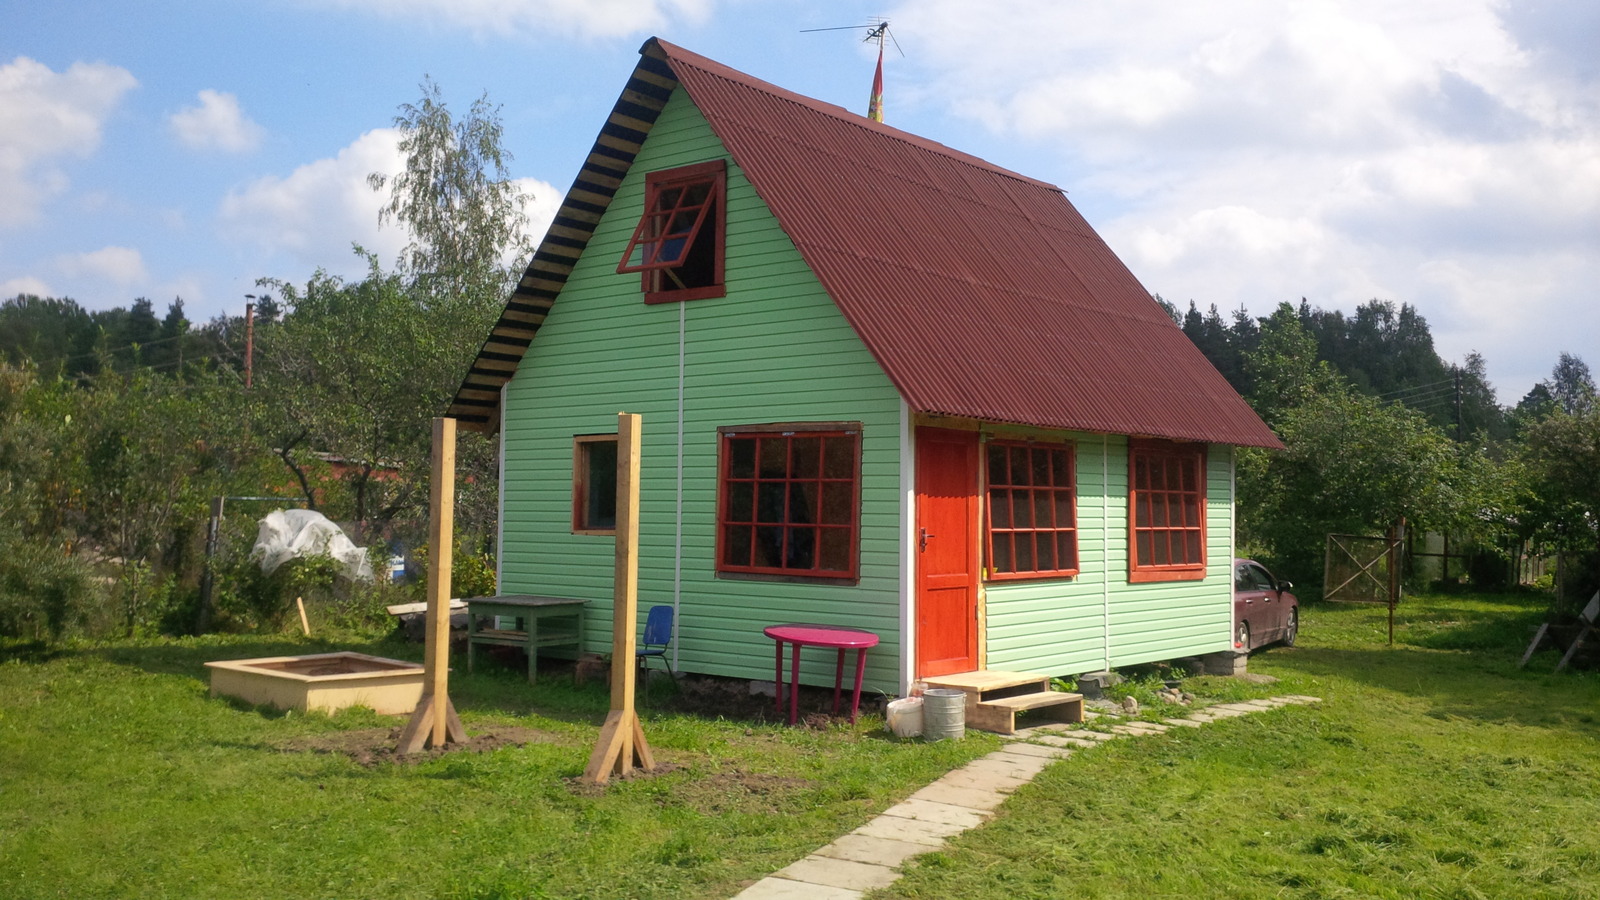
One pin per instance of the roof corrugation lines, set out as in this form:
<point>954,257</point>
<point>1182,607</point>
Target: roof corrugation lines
<point>982,293</point>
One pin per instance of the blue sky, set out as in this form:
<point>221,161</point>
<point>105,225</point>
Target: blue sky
<point>1444,153</point>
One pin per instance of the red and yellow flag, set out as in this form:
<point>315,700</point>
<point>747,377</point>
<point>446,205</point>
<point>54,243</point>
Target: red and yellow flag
<point>875,103</point>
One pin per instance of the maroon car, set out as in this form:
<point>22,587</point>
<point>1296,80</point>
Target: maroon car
<point>1263,609</point>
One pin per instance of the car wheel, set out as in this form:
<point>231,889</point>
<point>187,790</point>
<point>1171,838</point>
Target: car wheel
<point>1241,638</point>
<point>1293,629</point>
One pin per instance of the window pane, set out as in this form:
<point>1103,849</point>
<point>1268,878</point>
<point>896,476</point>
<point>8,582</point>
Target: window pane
<point>1060,470</point>
<point>807,457</point>
<point>1064,511</point>
<point>696,193</point>
<point>769,503</point>
<point>1044,551</point>
<point>839,457</point>
<point>600,484</point>
<point>669,198</point>
<point>1163,548</point>
<point>735,545</point>
<point>1188,475</point>
<point>802,502</point>
<point>836,549</point>
<point>1041,509</point>
<point>802,551</point>
<point>1002,553</point>
<point>1141,473</point>
<point>1141,516</point>
<point>997,465</point>
<point>1020,469</point>
<point>1041,466</point>
<point>769,547</point>
<point>1067,549</point>
<point>1022,509</point>
<point>741,458</point>
<point>741,502</point>
<point>1192,552</point>
<point>838,501</point>
<point>1000,508</point>
<point>1024,549</point>
<point>774,457</point>
<point>1146,544</point>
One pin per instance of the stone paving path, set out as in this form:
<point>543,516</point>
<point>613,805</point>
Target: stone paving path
<point>870,856</point>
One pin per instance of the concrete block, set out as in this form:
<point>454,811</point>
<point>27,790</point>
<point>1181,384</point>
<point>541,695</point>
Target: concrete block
<point>875,850</point>
<point>1021,749</point>
<point>944,813</point>
<point>1227,662</point>
<point>970,798</point>
<point>839,873</point>
<point>912,831</point>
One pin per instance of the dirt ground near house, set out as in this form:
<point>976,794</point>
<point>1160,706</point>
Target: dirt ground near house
<point>373,746</point>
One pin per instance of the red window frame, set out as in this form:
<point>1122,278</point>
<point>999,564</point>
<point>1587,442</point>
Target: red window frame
<point>1166,511</point>
<point>582,479</point>
<point>684,209</point>
<point>789,500</point>
<point>1031,513</point>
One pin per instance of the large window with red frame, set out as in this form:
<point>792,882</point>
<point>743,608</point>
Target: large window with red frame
<point>1031,529</point>
<point>789,500</point>
<point>678,244</point>
<point>1166,514</point>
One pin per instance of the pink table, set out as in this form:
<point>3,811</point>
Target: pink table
<point>841,639</point>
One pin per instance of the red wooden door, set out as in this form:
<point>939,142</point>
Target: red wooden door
<point>947,551</point>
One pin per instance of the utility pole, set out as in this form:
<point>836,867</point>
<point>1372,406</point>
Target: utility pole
<point>1457,370</point>
<point>249,339</point>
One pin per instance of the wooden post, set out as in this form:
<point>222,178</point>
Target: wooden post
<point>622,744</point>
<point>434,723</point>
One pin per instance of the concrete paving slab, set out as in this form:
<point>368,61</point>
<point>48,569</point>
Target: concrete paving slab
<point>839,873</point>
<point>875,850</point>
<point>1301,698</point>
<point>911,831</point>
<point>1139,730</point>
<point>1011,764</point>
<point>960,796</point>
<point>983,781</point>
<point>1020,749</point>
<point>1091,735</point>
<point>784,889</point>
<point>929,811</point>
<point>1186,723</point>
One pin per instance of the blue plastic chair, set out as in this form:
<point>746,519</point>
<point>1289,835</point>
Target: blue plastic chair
<point>657,635</point>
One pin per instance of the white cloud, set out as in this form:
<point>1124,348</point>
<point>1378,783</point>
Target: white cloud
<point>121,266</point>
<point>317,211</point>
<point>216,124</point>
<point>24,284</point>
<point>45,115</point>
<point>1444,153</point>
<point>584,18</point>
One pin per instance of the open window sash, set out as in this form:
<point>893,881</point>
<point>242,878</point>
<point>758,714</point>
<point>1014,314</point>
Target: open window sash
<point>669,229</point>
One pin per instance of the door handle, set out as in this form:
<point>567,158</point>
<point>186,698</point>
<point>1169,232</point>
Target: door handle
<point>923,542</point>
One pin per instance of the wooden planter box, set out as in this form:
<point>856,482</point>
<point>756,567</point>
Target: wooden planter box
<point>325,681</point>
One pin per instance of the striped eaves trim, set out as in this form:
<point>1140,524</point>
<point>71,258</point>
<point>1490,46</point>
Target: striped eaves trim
<point>476,406</point>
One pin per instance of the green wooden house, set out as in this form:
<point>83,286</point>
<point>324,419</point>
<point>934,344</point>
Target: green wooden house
<point>884,385</point>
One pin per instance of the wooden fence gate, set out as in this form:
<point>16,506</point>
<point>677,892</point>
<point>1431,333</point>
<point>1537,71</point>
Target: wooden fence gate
<point>1365,569</point>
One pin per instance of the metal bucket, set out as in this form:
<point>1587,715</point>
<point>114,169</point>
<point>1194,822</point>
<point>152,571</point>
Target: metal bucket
<point>944,714</point>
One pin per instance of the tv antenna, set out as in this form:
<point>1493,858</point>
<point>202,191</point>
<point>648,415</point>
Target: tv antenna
<point>877,30</point>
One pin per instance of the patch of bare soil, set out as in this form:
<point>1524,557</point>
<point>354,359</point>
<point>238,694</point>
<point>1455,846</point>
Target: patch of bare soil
<point>726,792</point>
<point>731,698</point>
<point>372,746</point>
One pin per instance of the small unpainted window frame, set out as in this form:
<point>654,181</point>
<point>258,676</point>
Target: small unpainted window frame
<point>583,480</point>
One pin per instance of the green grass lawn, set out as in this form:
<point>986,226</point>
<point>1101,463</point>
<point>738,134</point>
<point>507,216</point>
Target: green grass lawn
<point>1433,769</point>
<point>120,777</point>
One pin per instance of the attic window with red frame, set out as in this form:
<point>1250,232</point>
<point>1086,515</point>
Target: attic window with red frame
<point>789,500</point>
<point>677,246</point>
<point>1031,528</point>
<point>1166,511</point>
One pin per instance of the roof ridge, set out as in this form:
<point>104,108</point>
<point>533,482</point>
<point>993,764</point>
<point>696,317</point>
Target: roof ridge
<point>672,53</point>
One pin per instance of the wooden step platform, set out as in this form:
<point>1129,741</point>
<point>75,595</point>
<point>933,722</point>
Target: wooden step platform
<point>994,698</point>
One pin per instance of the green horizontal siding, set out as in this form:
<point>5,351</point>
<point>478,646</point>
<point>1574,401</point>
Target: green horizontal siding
<point>774,349</point>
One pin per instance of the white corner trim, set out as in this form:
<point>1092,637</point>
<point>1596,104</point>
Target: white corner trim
<point>908,560</point>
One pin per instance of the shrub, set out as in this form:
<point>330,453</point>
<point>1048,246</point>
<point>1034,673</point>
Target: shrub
<point>44,591</point>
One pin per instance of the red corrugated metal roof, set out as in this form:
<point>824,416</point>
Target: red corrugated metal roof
<point>981,292</point>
